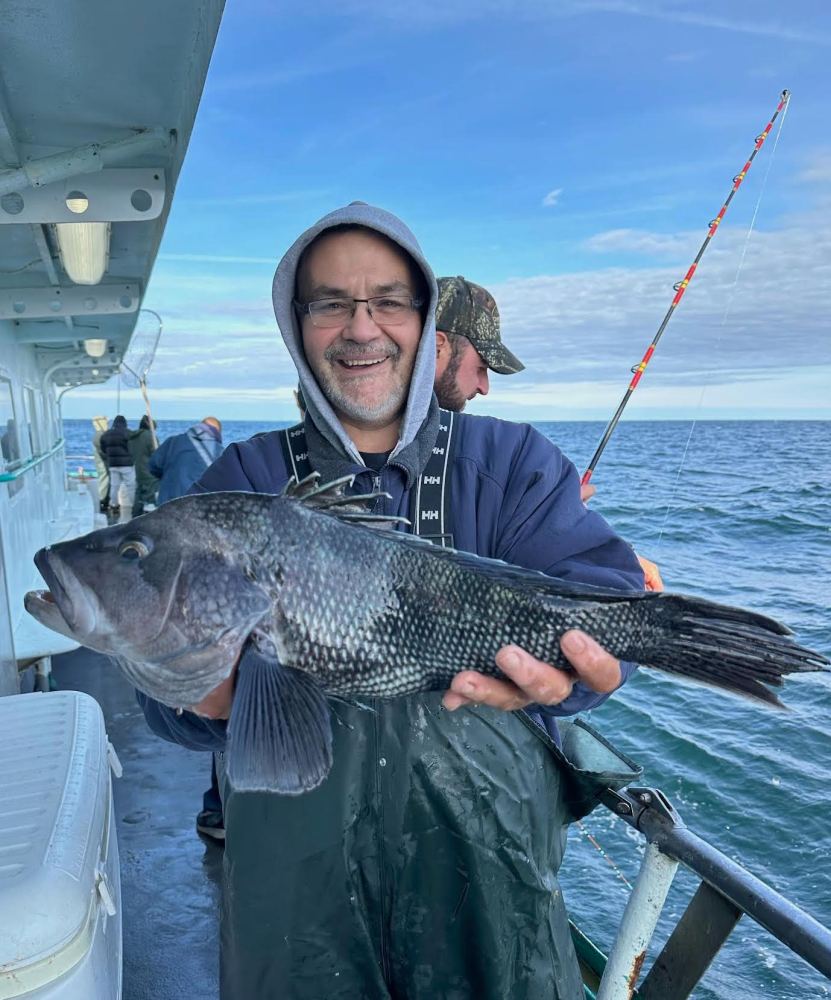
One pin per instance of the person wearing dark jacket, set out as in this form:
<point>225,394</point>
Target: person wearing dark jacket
<point>141,448</point>
<point>180,460</point>
<point>468,345</point>
<point>425,865</point>
<point>115,449</point>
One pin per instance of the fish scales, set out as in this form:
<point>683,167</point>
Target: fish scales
<point>325,607</point>
<point>415,620</point>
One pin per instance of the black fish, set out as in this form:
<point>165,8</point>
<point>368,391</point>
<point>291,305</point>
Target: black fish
<point>339,609</point>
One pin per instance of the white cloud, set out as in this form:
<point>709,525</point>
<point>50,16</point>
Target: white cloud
<point>551,199</point>
<point>207,258</point>
<point>697,14</point>
<point>756,346</point>
<point>818,169</point>
<point>243,200</point>
<point>596,323</point>
<point>642,242</point>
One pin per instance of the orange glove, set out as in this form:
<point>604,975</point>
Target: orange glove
<point>651,574</point>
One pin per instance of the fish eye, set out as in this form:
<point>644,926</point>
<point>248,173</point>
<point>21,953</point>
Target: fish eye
<point>133,548</point>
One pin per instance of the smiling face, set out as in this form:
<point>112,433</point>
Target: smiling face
<point>364,367</point>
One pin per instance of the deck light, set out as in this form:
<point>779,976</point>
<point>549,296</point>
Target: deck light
<point>85,250</point>
<point>95,348</point>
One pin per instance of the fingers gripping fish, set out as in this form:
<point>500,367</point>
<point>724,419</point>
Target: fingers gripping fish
<point>330,607</point>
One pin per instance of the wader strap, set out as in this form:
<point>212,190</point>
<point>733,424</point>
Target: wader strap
<point>430,508</point>
<point>430,504</point>
<point>296,452</point>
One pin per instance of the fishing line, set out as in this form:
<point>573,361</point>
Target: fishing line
<point>724,318</point>
<point>595,843</point>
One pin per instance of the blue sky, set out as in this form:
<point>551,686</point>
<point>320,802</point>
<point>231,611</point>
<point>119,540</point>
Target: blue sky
<point>568,154</point>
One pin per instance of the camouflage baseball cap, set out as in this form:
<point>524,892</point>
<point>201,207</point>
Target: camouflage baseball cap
<point>469,310</point>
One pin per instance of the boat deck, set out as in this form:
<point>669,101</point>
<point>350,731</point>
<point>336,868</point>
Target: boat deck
<point>170,877</point>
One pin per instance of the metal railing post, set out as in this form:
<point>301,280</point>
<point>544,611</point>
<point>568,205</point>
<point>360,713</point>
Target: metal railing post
<point>637,925</point>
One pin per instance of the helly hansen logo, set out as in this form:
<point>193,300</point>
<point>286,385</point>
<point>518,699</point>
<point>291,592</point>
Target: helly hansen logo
<point>442,427</point>
<point>297,433</point>
<point>438,451</point>
<point>429,515</point>
<point>301,457</point>
<point>431,480</point>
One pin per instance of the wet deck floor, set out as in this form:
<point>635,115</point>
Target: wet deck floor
<point>170,877</point>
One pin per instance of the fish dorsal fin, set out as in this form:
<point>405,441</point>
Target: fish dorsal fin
<point>332,498</point>
<point>531,580</point>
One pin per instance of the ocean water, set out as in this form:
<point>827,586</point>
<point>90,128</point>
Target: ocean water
<point>739,512</point>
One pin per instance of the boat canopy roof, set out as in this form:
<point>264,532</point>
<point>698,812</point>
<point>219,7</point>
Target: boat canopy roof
<point>97,104</point>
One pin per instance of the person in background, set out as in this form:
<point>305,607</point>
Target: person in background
<point>468,343</point>
<point>141,448</point>
<point>99,426</point>
<point>180,460</point>
<point>116,452</point>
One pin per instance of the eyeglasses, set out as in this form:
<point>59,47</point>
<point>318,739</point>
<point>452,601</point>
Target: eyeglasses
<point>387,309</point>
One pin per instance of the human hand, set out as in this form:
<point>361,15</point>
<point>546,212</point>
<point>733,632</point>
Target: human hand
<point>587,491</point>
<point>217,703</point>
<point>531,681</point>
<point>651,574</point>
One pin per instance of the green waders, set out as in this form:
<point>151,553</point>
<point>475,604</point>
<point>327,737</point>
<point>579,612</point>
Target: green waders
<point>423,868</point>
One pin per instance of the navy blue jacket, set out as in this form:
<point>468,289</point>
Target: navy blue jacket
<point>514,496</point>
<point>178,464</point>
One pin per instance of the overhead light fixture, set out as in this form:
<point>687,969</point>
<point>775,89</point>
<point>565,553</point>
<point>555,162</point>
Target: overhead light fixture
<point>95,348</point>
<point>84,249</point>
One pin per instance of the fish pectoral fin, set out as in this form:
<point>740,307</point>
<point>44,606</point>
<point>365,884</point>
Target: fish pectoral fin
<point>280,731</point>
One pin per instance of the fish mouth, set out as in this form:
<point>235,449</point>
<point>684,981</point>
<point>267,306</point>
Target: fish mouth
<point>42,607</point>
<point>66,597</point>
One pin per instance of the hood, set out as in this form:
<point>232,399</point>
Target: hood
<point>120,422</point>
<point>206,432</point>
<point>421,384</point>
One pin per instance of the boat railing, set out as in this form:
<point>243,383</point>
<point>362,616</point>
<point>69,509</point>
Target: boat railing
<point>726,892</point>
<point>85,471</point>
<point>17,469</point>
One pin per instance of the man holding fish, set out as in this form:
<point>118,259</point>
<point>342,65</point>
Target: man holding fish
<point>425,864</point>
<point>379,842</point>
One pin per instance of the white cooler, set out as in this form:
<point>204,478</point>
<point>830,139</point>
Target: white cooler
<point>60,912</point>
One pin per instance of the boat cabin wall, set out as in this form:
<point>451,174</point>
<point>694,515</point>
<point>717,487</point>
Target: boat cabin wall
<point>31,502</point>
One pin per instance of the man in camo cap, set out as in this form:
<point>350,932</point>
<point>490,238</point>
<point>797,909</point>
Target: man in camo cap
<point>467,343</point>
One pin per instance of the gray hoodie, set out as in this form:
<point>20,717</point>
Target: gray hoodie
<point>283,292</point>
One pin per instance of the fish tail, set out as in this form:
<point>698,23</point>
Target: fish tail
<point>730,648</point>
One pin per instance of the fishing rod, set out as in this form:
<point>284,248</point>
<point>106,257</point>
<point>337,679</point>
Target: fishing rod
<point>680,288</point>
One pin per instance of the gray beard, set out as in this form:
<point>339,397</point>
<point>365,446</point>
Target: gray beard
<point>380,414</point>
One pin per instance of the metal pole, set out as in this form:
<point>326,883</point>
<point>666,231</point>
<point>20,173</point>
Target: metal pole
<point>680,288</point>
<point>82,160</point>
<point>779,916</point>
<point>649,811</point>
<point>637,925</point>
